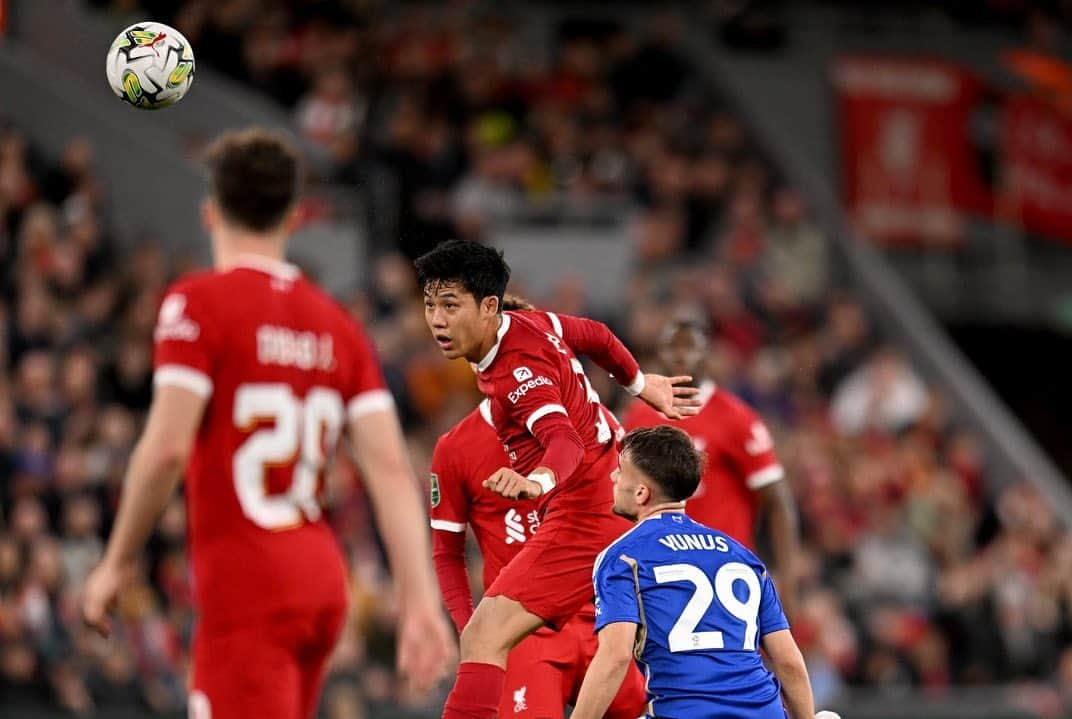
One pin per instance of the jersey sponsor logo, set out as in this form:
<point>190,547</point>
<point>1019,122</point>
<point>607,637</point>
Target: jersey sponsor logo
<point>172,324</point>
<point>516,531</point>
<point>761,441</point>
<point>686,542</point>
<point>522,373</point>
<point>435,495</point>
<point>519,700</point>
<point>288,348</point>
<point>525,387</point>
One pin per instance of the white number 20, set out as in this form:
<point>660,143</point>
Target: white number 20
<point>311,426</point>
<point>683,636</point>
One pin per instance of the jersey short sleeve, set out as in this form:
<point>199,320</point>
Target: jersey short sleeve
<point>527,388</point>
<point>751,448</point>
<point>771,617</point>
<point>615,586</point>
<point>449,505</point>
<point>368,392</point>
<point>183,346</point>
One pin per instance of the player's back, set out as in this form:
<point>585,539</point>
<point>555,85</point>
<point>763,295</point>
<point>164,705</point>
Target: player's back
<point>740,459</point>
<point>704,604</point>
<point>283,367</point>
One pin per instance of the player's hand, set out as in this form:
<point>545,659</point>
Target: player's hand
<point>512,485</point>
<point>99,595</point>
<point>426,646</point>
<point>665,395</point>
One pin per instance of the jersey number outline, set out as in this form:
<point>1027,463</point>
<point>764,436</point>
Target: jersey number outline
<point>310,426</point>
<point>683,636</point>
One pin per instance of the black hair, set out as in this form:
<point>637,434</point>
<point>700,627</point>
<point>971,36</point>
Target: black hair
<point>255,175</point>
<point>667,456</point>
<point>478,269</point>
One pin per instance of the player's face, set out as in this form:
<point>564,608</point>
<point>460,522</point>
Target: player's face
<point>456,320</point>
<point>629,490</point>
<point>684,353</point>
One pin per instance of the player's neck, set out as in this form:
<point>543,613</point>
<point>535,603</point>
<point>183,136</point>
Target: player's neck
<point>491,338</point>
<point>660,508</point>
<point>230,247</point>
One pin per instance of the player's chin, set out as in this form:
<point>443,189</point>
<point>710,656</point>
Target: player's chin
<point>622,512</point>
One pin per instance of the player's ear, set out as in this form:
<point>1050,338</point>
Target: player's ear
<point>490,305</point>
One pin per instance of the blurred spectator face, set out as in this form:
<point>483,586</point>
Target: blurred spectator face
<point>35,381</point>
<point>788,207</point>
<point>10,562</point>
<point>46,565</point>
<point>81,518</point>
<point>848,323</point>
<point>71,468</point>
<point>28,519</point>
<point>659,234</point>
<point>684,351</point>
<point>34,313</point>
<point>18,664</point>
<point>79,377</point>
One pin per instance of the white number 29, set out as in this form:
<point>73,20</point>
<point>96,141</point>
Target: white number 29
<point>683,637</point>
<point>311,426</point>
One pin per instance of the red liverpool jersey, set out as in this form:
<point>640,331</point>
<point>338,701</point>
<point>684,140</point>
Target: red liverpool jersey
<point>531,373</point>
<point>464,457</point>
<point>740,459</point>
<point>283,367</point>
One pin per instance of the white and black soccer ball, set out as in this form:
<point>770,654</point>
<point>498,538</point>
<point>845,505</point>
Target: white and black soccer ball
<point>150,65</point>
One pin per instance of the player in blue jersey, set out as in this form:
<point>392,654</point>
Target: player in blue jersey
<point>690,604</point>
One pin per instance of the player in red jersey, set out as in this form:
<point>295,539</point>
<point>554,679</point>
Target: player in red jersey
<point>545,671</point>
<point>560,448</point>
<point>257,373</point>
<point>743,476</point>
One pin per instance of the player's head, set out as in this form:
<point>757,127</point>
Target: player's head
<point>683,348</point>
<point>657,466</point>
<point>254,182</point>
<point>463,284</point>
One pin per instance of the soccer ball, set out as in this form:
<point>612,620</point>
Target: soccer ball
<point>150,65</point>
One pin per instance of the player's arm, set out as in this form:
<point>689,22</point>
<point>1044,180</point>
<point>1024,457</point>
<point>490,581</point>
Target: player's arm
<point>607,670</point>
<point>784,527</point>
<point>449,516</point>
<point>425,644</point>
<point>787,663</point>
<point>595,340</point>
<point>155,469</point>
<point>754,455</point>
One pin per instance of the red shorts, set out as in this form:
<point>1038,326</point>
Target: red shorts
<point>267,669</point>
<point>552,574</point>
<point>544,674</point>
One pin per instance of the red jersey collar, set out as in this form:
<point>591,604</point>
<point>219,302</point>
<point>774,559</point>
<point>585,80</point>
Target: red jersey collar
<point>490,356</point>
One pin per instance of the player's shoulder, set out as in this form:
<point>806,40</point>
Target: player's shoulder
<point>625,546</point>
<point>194,283</point>
<point>473,427</point>
<point>729,403</point>
<point>640,414</point>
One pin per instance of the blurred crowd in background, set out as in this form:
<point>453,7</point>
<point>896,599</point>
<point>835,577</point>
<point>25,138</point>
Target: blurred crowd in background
<point>917,571</point>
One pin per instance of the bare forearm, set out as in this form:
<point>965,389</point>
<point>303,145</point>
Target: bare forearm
<point>149,483</point>
<point>601,683</point>
<point>796,689</point>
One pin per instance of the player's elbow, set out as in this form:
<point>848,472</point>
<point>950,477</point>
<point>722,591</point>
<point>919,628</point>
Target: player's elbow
<point>165,456</point>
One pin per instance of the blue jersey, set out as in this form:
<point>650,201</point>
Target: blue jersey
<point>702,602</point>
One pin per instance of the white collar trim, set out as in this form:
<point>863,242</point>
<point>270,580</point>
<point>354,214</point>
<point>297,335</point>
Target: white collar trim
<point>490,356</point>
<point>276,268</point>
<point>485,412</point>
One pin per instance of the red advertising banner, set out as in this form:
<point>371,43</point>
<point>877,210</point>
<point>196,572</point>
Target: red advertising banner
<point>909,171</point>
<point>3,17</point>
<point>1035,144</point>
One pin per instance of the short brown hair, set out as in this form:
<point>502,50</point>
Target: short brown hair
<point>666,456</point>
<point>255,176</point>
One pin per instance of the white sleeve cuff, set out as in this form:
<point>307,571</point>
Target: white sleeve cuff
<point>637,385</point>
<point>556,323</point>
<point>188,378</point>
<point>545,480</point>
<point>368,402</point>
<point>543,412</point>
<point>456,527</point>
<point>765,476</point>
